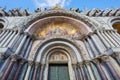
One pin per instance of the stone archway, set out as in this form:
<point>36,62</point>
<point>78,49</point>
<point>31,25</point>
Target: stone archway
<point>58,57</point>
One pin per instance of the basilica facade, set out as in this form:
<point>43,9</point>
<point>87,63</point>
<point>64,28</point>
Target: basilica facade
<point>60,44</point>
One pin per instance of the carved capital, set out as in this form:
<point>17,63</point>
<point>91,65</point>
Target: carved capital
<point>30,63</point>
<point>97,61</point>
<point>105,58</point>
<point>37,64</point>
<point>22,61</point>
<point>14,57</point>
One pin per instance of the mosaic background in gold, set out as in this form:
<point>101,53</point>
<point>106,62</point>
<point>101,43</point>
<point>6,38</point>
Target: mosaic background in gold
<point>55,27</point>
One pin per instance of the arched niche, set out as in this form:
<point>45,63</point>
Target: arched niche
<point>61,22</point>
<point>42,49</point>
<point>115,24</point>
<point>1,26</point>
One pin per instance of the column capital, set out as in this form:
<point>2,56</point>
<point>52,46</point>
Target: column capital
<point>30,63</point>
<point>105,58</point>
<point>97,61</point>
<point>22,61</point>
<point>14,57</point>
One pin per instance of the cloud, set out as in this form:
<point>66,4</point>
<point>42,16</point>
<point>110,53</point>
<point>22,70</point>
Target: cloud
<point>51,3</point>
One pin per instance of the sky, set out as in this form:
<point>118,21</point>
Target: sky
<point>81,4</point>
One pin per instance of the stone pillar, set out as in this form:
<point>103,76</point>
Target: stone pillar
<point>2,33</point>
<point>100,69</point>
<point>116,41</point>
<point>93,48</point>
<point>103,40</point>
<point>18,69</point>
<point>28,49</point>
<point>35,71</point>
<point>76,74</point>
<point>111,38</point>
<point>107,62</point>
<point>88,49</point>
<point>13,40</point>
<point>9,68</point>
<point>4,40</point>
<point>115,65</point>
<point>82,71</point>
<point>30,63</point>
<point>108,40</point>
<point>24,49</point>
<point>96,44</point>
<point>41,72</point>
<point>21,44</point>
<point>6,43</point>
<point>90,71</point>
<point>7,31</point>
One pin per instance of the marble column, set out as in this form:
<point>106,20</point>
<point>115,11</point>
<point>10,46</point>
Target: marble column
<point>5,39</point>
<point>82,71</point>
<point>76,74</point>
<point>28,49</point>
<point>1,34</point>
<point>107,62</point>
<point>115,65</point>
<point>9,68</point>
<point>21,44</point>
<point>7,31</point>
<point>25,47</point>
<point>90,71</point>
<point>106,37</point>
<point>101,71</point>
<point>13,40</point>
<point>30,63</point>
<point>111,38</point>
<point>116,41</point>
<point>88,49</point>
<point>6,43</point>
<point>115,75</point>
<point>41,72</point>
<point>96,44</point>
<point>103,40</point>
<point>93,48</point>
<point>18,69</point>
<point>35,71</point>
<point>116,37</point>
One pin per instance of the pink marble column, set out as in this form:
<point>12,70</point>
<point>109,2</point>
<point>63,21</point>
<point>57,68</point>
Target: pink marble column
<point>101,72</point>
<point>35,71</point>
<point>83,74</point>
<point>115,75</point>
<point>9,68</point>
<point>18,70</point>
<point>76,74</point>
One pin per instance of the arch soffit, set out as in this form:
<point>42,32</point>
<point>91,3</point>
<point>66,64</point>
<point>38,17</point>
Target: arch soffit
<point>43,47</point>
